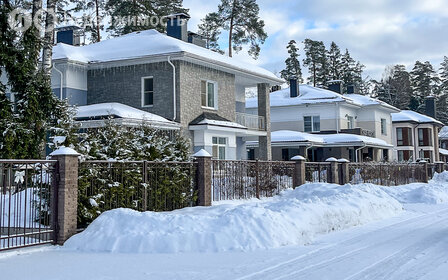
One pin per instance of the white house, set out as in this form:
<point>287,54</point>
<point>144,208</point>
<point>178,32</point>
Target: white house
<point>319,111</point>
<point>415,136</point>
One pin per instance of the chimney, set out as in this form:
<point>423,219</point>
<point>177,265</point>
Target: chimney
<point>336,86</point>
<point>293,88</point>
<point>430,106</point>
<point>177,26</point>
<point>70,35</point>
<point>196,39</point>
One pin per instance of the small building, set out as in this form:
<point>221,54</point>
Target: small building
<point>415,136</point>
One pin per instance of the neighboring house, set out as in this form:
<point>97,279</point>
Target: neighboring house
<point>314,112</point>
<point>443,144</point>
<point>415,136</point>
<point>167,76</point>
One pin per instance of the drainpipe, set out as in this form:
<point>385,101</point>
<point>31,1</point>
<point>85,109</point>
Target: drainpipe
<point>174,88</point>
<point>61,79</point>
<point>356,152</point>
<point>306,150</point>
<point>337,118</point>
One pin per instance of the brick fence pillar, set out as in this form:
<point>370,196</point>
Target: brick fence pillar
<point>204,177</point>
<point>332,176</point>
<point>425,178</point>
<point>66,194</point>
<point>298,177</point>
<point>439,166</point>
<point>344,177</point>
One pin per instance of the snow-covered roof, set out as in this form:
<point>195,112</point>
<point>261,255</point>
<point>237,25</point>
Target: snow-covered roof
<point>326,139</point>
<point>150,43</point>
<point>443,134</point>
<point>313,95</point>
<point>222,123</point>
<point>117,110</point>
<point>411,116</point>
<point>443,151</point>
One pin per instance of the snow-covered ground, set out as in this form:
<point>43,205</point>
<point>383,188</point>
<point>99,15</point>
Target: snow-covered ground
<point>372,232</point>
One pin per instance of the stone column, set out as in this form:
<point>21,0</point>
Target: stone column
<point>298,178</point>
<point>332,176</point>
<point>65,198</point>
<point>439,166</point>
<point>264,110</point>
<point>345,177</point>
<point>204,177</point>
<point>425,178</point>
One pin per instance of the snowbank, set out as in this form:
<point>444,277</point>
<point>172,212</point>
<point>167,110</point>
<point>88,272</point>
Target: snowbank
<point>435,192</point>
<point>294,217</point>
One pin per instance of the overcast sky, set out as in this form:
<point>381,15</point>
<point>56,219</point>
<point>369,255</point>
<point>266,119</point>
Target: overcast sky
<point>378,33</point>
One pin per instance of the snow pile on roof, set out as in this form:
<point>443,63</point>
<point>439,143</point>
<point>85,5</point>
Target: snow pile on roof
<point>443,134</point>
<point>411,116</point>
<point>294,217</point>
<point>341,138</point>
<point>118,110</point>
<point>147,43</point>
<point>312,95</point>
<point>435,192</point>
<point>222,123</point>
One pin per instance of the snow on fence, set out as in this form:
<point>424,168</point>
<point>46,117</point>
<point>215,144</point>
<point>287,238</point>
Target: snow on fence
<point>232,179</point>
<point>389,174</point>
<point>139,185</point>
<point>26,211</point>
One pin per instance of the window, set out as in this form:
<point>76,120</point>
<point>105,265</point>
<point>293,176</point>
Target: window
<point>405,155</point>
<point>311,123</point>
<point>251,154</point>
<point>350,122</point>
<point>208,94</point>
<point>147,92</point>
<point>219,147</point>
<point>424,137</point>
<point>404,136</point>
<point>383,127</point>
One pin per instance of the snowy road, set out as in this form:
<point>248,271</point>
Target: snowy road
<point>413,245</point>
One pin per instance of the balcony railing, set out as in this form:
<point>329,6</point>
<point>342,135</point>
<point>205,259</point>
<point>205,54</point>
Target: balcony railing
<point>253,122</point>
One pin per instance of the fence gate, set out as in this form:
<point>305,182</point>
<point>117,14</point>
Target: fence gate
<point>27,203</point>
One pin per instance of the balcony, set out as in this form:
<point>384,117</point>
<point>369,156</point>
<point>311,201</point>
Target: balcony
<point>252,122</point>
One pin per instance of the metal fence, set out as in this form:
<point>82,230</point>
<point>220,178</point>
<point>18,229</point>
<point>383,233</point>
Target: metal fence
<point>241,179</point>
<point>139,185</point>
<point>387,174</point>
<point>27,202</point>
<point>317,172</point>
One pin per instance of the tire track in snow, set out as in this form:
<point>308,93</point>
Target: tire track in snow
<point>280,267</point>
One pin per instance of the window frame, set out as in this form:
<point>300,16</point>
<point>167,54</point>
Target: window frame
<point>383,128</point>
<point>350,122</point>
<point>207,94</point>
<point>218,145</point>
<point>313,128</point>
<point>421,140</point>
<point>143,92</point>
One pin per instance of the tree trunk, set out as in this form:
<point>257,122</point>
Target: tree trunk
<point>47,52</point>
<point>231,28</point>
<point>98,21</point>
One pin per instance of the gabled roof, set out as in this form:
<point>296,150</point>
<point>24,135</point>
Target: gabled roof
<point>414,117</point>
<point>313,95</point>
<point>151,43</point>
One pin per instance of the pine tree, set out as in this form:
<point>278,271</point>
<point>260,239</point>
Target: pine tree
<point>316,61</point>
<point>395,87</point>
<point>423,83</point>
<point>335,61</point>
<point>131,16</point>
<point>444,75</point>
<point>348,69</point>
<point>292,69</point>
<point>95,11</point>
<point>241,19</point>
<point>210,29</point>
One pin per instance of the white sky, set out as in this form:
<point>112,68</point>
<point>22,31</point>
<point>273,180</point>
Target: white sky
<point>378,33</point>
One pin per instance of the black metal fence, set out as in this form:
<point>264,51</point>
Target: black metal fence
<point>27,202</point>
<point>317,172</point>
<point>388,174</point>
<point>139,185</point>
<point>232,179</point>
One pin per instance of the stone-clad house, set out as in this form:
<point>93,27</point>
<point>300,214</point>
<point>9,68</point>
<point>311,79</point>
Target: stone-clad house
<point>166,75</point>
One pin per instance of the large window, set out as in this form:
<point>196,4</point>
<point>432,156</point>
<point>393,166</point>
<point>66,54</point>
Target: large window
<point>219,147</point>
<point>404,136</point>
<point>311,123</point>
<point>209,94</point>
<point>350,122</point>
<point>147,92</point>
<point>425,137</point>
<point>383,127</point>
<point>405,155</point>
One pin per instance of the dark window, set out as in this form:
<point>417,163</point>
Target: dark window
<point>424,137</point>
<point>251,154</point>
<point>148,92</point>
<point>404,136</point>
<point>285,154</point>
